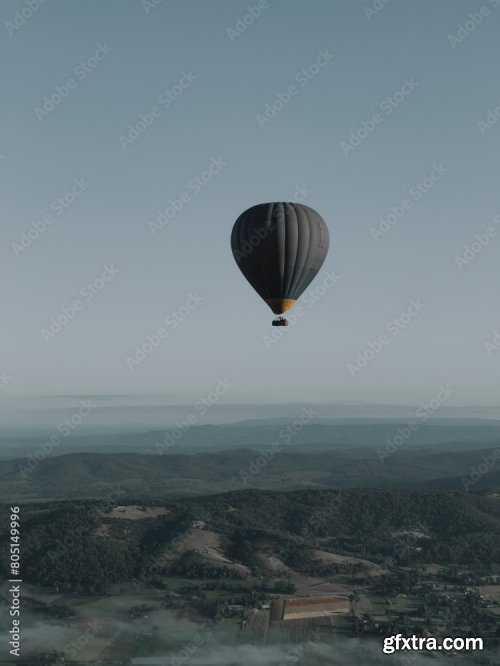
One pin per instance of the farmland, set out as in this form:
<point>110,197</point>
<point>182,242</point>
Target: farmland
<point>131,580</point>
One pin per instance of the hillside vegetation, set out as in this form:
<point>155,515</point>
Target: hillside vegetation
<point>83,546</point>
<point>134,475</point>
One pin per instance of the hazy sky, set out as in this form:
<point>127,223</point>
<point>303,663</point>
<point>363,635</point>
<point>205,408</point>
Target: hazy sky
<point>385,109</point>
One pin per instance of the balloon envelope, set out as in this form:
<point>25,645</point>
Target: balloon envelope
<point>280,247</point>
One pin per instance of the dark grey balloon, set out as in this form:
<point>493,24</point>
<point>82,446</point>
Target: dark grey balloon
<point>280,247</point>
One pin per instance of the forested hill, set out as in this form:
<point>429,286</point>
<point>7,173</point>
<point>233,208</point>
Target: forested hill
<point>131,475</point>
<point>105,542</point>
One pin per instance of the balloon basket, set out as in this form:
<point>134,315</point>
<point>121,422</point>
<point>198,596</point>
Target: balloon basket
<point>280,321</point>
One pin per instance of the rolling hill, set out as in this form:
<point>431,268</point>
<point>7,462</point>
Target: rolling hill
<point>133,475</point>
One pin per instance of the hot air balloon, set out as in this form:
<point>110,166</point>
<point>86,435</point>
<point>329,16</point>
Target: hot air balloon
<point>280,247</point>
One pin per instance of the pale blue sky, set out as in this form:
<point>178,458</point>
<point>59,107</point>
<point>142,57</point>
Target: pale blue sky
<point>228,80</point>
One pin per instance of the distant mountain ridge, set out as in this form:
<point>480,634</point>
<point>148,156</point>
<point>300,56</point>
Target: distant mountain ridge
<point>318,435</point>
<point>114,414</point>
